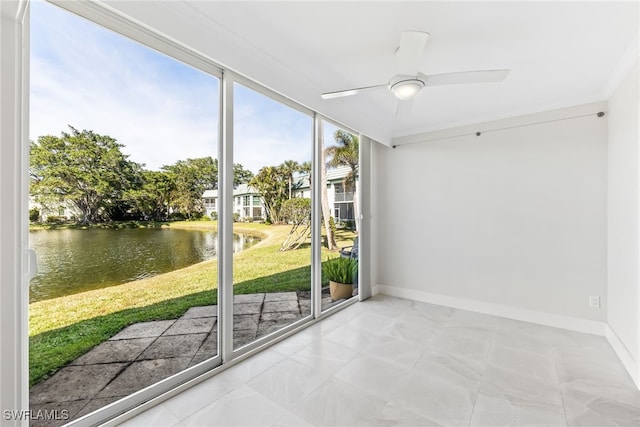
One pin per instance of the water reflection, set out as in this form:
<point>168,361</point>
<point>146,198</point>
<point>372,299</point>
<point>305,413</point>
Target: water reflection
<point>72,261</point>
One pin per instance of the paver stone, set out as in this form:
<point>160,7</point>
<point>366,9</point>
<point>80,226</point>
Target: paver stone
<point>143,330</point>
<point>114,351</point>
<point>143,373</point>
<point>75,383</point>
<point>174,346</point>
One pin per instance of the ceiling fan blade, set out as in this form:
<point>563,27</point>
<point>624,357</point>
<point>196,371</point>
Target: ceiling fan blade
<point>349,92</point>
<point>485,76</point>
<point>404,108</point>
<point>410,50</point>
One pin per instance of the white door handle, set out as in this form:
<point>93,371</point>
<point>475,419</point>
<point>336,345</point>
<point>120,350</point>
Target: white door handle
<point>32,264</point>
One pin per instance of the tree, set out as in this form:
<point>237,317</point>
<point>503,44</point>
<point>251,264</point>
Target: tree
<point>271,183</point>
<point>305,173</point>
<point>297,212</point>
<point>326,215</point>
<point>240,175</point>
<point>305,169</point>
<point>289,167</point>
<point>346,153</point>
<point>81,167</point>
<point>34,214</point>
<point>191,178</point>
<point>151,197</point>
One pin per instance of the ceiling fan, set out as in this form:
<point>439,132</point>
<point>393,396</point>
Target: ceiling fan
<point>409,82</point>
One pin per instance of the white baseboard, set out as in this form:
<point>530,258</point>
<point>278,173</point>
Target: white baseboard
<point>630,363</point>
<point>525,315</point>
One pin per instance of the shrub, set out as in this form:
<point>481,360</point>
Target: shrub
<point>52,219</point>
<point>332,225</point>
<point>214,216</point>
<point>176,216</point>
<point>296,211</point>
<point>34,214</point>
<point>236,217</point>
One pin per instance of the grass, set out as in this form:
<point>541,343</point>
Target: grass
<point>62,329</point>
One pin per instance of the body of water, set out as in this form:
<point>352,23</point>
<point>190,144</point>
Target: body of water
<point>73,261</point>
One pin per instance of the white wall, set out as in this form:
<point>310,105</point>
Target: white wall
<point>623,315</point>
<point>512,221</point>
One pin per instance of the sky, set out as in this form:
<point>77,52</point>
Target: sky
<point>160,109</point>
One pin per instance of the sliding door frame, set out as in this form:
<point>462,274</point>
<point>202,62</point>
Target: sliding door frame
<point>14,262</point>
<point>112,19</point>
<point>225,221</point>
<point>226,275</point>
<point>362,260</point>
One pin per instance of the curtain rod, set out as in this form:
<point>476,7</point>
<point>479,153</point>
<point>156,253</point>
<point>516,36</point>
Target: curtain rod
<point>478,133</point>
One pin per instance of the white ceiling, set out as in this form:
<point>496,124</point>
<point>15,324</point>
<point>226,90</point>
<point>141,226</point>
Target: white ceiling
<point>559,53</point>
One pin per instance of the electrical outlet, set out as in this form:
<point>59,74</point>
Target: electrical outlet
<point>594,302</point>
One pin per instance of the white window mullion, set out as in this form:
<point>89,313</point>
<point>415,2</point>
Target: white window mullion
<point>363,196</point>
<point>225,222</point>
<point>316,219</point>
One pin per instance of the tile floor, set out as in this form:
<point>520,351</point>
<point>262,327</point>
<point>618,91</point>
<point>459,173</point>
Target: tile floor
<point>391,362</point>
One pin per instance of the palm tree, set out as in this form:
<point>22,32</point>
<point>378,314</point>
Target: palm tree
<point>289,167</point>
<point>346,153</point>
<point>305,169</point>
<point>326,214</point>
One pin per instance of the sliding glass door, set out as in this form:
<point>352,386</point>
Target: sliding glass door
<point>340,212</point>
<point>272,154</point>
<point>182,216</point>
<point>122,216</point>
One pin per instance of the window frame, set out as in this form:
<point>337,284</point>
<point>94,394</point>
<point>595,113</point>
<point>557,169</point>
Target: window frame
<point>113,20</point>
<point>226,269</point>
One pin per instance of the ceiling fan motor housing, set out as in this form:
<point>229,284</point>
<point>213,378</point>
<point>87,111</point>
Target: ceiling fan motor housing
<point>406,87</point>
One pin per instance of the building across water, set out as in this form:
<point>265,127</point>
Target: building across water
<point>248,205</point>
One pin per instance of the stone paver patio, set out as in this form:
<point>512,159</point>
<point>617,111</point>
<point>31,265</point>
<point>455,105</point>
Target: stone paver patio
<point>144,353</point>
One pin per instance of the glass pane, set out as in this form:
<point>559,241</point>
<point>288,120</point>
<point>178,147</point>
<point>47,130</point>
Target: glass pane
<point>123,154</point>
<point>272,156</point>
<point>339,211</point>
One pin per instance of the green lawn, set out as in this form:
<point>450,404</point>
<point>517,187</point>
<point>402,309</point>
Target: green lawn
<point>62,329</point>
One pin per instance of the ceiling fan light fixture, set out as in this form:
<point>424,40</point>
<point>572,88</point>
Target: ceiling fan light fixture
<point>406,89</point>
